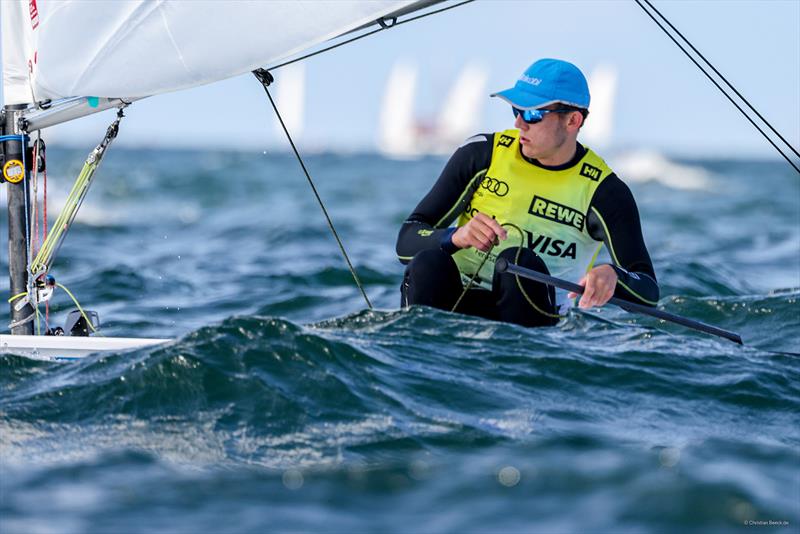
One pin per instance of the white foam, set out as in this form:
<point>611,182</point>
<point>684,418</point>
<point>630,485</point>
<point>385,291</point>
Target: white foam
<point>651,166</point>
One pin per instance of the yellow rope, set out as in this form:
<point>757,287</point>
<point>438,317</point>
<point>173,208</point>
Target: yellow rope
<point>472,280</point>
<point>43,259</point>
<point>516,276</point>
<point>519,283</point>
<point>44,256</point>
<point>88,322</point>
<point>17,296</point>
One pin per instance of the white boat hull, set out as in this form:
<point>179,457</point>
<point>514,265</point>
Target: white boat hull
<point>68,347</point>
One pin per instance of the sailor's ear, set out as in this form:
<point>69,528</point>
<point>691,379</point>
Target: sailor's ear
<point>575,120</point>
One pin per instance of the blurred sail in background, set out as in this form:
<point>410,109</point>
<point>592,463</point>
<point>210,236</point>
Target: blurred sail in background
<point>404,135</point>
<point>396,130</point>
<point>290,86</point>
<point>599,126</point>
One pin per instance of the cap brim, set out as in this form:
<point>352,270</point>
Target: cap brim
<point>522,100</point>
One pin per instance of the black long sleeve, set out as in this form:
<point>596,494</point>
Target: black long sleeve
<point>614,219</point>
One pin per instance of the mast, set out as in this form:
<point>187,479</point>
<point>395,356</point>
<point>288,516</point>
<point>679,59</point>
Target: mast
<point>18,206</point>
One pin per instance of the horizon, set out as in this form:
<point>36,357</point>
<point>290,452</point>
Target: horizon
<point>373,151</point>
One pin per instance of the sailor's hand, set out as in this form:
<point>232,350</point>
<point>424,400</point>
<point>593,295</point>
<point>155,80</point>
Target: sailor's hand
<point>599,285</point>
<point>481,232</point>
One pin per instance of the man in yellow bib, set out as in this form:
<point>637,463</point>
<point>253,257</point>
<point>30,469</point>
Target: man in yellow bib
<point>536,197</point>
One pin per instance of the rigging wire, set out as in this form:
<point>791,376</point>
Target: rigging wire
<point>266,78</point>
<point>34,230</point>
<point>384,25</point>
<point>52,244</point>
<point>263,76</point>
<point>29,281</point>
<point>724,79</point>
<point>44,225</point>
<point>35,178</point>
<point>703,70</point>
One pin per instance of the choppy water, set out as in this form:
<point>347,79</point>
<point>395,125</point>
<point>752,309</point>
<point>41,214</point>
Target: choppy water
<point>284,405</point>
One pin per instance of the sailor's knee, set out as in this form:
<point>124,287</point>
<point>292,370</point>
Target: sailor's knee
<point>524,257</point>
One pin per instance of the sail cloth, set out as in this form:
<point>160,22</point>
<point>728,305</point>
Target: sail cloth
<point>55,49</point>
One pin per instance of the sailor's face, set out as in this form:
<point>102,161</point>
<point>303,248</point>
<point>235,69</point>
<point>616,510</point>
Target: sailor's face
<point>542,140</point>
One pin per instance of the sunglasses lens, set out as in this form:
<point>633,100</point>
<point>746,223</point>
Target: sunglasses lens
<point>531,116</point>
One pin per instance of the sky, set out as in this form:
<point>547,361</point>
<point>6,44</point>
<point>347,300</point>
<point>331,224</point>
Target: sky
<point>663,102</point>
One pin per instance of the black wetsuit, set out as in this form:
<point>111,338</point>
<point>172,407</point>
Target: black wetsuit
<point>431,280</point>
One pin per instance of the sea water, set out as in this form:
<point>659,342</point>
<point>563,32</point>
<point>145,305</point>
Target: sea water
<point>284,404</point>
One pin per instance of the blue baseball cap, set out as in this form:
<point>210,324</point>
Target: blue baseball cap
<point>548,81</point>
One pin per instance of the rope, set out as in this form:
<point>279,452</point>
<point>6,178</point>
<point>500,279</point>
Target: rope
<point>29,282</point>
<point>38,321</point>
<point>17,296</point>
<point>41,264</point>
<point>703,70</point>
<point>516,276</point>
<point>21,322</point>
<point>44,200</point>
<point>44,227</point>
<point>724,79</point>
<point>393,22</point>
<point>472,279</point>
<point>266,78</point>
<point>88,322</point>
<point>35,228</point>
<point>519,282</point>
<point>68,292</point>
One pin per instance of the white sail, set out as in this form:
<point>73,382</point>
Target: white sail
<point>290,98</point>
<point>461,113</point>
<point>16,32</point>
<point>56,49</point>
<point>599,125</point>
<point>397,136</point>
<point>404,135</point>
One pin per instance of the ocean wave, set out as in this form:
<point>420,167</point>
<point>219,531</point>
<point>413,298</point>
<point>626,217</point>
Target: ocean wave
<point>271,392</point>
<point>650,166</point>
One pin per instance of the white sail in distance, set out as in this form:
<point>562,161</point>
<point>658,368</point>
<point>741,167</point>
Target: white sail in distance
<point>290,85</point>
<point>54,49</point>
<point>396,136</point>
<point>599,125</point>
<point>404,135</point>
<point>461,113</point>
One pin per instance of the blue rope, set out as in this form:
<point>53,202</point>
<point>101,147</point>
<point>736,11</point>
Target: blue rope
<point>20,138</point>
<point>28,225</point>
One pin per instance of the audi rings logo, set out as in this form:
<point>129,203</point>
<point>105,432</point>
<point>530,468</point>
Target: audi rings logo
<point>493,185</point>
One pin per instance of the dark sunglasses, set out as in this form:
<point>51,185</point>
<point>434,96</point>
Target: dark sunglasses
<point>532,116</point>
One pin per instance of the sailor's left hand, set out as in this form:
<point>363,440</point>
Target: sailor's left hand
<point>599,285</point>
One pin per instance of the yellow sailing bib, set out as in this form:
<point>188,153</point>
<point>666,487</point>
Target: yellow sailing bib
<point>543,210</point>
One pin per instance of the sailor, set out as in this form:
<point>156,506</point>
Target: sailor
<point>535,196</point>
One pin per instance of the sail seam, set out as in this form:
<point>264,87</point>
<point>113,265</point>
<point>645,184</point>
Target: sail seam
<point>172,38</point>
